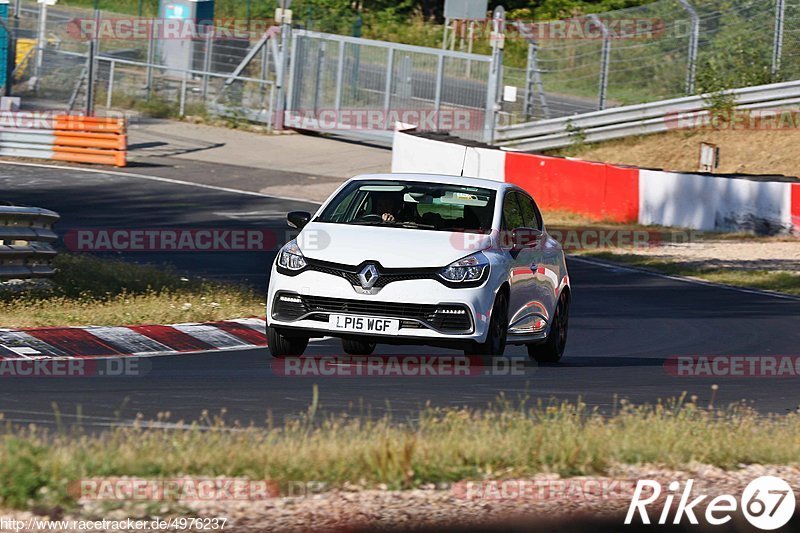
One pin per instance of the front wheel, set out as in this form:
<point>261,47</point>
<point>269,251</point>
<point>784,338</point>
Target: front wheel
<point>551,350</point>
<point>495,343</point>
<point>281,345</point>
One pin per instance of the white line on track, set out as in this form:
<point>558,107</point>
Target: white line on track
<point>157,178</point>
<point>696,281</point>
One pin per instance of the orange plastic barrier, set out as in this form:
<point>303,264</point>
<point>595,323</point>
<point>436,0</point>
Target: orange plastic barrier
<point>98,140</point>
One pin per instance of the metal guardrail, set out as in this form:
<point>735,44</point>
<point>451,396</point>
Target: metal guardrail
<point>26,238</point>
<point>654,117</point>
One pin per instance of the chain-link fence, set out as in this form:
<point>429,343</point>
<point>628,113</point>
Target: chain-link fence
<point>217,71</point>
<point>665,49</point>
<point>346,83</point>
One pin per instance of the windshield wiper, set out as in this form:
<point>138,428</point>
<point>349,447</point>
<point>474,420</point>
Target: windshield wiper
<point>415,225</point>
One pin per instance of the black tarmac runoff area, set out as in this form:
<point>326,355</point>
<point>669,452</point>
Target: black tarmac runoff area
<point>626,326</point>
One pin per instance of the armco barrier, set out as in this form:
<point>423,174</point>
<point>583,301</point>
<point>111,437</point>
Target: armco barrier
<point>26,238</point>
<point>615,193</point>
<point>72,138</point>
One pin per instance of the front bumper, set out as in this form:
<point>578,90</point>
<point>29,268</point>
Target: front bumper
<point>426,309</point>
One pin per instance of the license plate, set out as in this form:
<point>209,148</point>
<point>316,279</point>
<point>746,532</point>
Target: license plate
<point>364,324</point>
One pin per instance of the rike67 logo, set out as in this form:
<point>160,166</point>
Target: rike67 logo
<point>767,502</point>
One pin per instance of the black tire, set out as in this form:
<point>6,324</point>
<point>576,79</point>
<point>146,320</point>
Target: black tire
<point>357,346</point>
<point>282,346</point>
<point>552,349</point>
<point>495,343</point>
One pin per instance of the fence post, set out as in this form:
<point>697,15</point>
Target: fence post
<point>151,55</point>
<point>182,105</point>
<point>207,60</point>
<point>110,89</point>
<point>437,99</point>
<point>533,83</point>
<point>495,73</point>
<point>694,38</point>
<point>282,78</point>
<point>777,44</point>
<point>387,90</point>
<point>318,77</point>
<point>605,58</point>
<point>41,41</point>
<point>337,103</point>
<point>90,75</point>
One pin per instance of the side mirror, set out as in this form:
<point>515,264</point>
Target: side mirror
<point>526,237</point>
<point>298,219</point>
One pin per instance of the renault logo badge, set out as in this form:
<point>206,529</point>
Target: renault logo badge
<point>368,276</point>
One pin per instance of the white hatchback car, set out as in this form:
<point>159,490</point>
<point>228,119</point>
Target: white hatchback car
<point>436,260</point>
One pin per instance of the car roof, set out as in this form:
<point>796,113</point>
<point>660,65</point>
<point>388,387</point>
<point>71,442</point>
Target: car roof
<point>437,178</point>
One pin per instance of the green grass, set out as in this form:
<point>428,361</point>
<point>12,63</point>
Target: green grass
<point>506,440</point>
<point>91,291</point>
<point>786,282</point>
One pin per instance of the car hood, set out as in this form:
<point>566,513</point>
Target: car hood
<point>391,247</point>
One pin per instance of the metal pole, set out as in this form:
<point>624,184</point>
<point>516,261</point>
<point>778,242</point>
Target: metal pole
<point>533,82</point>
<point>444,37</point>
<point>777,44</point>
<point>111,69</point>
<point>605,58</point>
<point>207,61</point>
<point>387,90</point>
<point>41,40</point>
<point>247,13</point>
<point>140,8</point>
<point>151,52</point>
<point>182,105</point>
<point>495,73</point>
<point>93,45</point>
<point>337,103</point>
<point>437,102</point>
<point>471,36</point>
<point>89,109</point>
<point>282,79</point>
<point>694,38</point>
<point>318,77</point>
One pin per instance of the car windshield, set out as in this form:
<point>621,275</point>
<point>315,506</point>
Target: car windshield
<point>416,205</point>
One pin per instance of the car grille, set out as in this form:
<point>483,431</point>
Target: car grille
<point>387,275</point>
<point>450,318</point>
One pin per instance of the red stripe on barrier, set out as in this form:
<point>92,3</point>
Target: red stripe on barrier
<point>796,206</point>
<point>76,342</point>
<point>172,338</point>
<point>245,333</point>
<point>597,190</point>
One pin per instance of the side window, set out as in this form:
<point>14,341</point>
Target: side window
<point>512,216</point>
<point>529,212</point>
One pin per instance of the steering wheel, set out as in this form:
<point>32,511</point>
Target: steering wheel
<point>372,217</point>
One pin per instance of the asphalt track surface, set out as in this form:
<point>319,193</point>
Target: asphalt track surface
<point>624,325</point>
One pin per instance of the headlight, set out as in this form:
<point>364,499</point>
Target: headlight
<point>471,268</point>
<point>290,257</point>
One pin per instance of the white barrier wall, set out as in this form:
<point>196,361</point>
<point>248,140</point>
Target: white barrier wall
<point>419,155</point>
<point>700,202</point>
<point>709,203</point>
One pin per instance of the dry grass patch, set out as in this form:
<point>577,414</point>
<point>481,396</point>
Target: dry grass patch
<point>439,445</point>
<point>91,291</point>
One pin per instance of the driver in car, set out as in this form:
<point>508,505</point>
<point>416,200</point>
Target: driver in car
<point>389,205</point>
